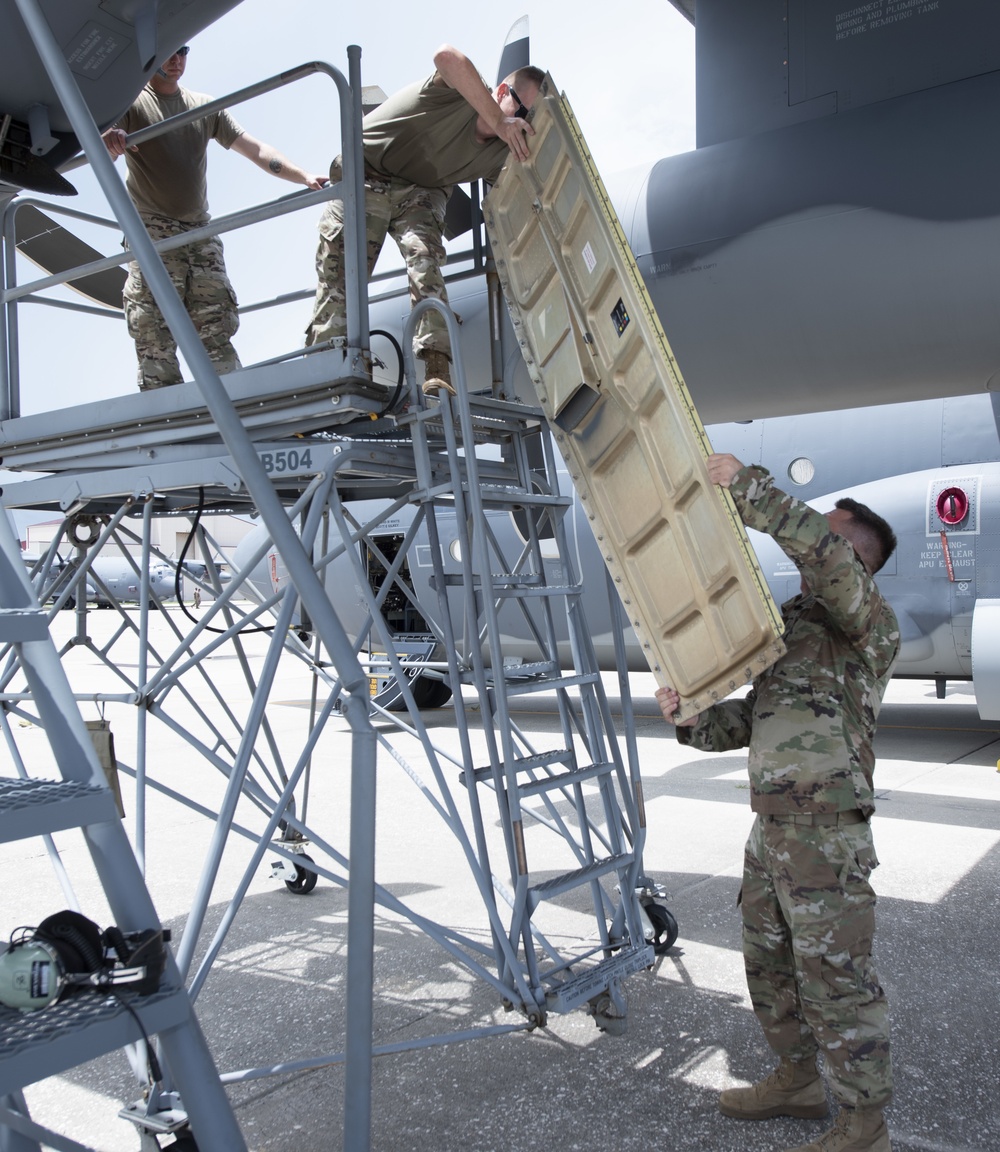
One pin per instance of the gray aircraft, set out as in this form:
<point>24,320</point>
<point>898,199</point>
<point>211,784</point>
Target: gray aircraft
<point>930,467</point>
<point>827,245</point>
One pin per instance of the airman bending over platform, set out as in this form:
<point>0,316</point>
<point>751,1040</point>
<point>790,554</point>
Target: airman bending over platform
<point>438,132</point>
<point>808,906</point>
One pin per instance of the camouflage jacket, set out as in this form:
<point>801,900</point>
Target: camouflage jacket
<point>810,719</point>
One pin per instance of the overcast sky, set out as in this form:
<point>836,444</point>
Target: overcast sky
<point>627,69</point>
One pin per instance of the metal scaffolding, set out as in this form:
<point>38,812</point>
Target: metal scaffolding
<point>312,444</point>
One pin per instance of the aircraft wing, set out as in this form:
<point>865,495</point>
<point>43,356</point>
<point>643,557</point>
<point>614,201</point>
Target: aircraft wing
<point>622,417</point>
<point>763,66</point>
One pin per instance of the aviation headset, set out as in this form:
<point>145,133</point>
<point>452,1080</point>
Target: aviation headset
<point>67,952</point>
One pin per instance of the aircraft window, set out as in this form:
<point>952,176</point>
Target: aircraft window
<point>801,470</point>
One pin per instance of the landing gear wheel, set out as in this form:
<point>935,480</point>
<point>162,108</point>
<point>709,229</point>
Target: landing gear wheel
<point>664,927</point>
<point>182,1144</point>
<point>305,878</point>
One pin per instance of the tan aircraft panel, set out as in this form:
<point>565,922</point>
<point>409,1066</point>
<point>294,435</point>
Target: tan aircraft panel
<point>624,421</point>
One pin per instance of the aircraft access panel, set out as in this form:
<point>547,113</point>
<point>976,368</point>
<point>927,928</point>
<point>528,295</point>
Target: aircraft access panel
<point>624,421</point>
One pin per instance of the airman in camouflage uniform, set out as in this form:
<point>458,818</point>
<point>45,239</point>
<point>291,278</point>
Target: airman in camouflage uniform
<point>414,217</point>
<point>422,141</point>
<point>808,907</point>
<point>198,273</point>
<point>167,181</point>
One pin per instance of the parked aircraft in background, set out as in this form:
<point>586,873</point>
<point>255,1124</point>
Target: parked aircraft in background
<point>109,579</point>
<point>831,241</point>
<point>197,570</point>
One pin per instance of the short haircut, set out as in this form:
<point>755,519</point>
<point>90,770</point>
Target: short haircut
<point>876,539</point>
<point>521,77</point>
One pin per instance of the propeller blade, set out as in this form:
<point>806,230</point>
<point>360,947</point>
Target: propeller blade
<point>515,50</point>
<point>458,214</point>
<point>55,249</point>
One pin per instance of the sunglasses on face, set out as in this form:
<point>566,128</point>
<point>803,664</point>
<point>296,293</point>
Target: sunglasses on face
<point>183,51</point>
<point>521,112</point>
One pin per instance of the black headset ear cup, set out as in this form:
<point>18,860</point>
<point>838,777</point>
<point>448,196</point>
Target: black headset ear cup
<point>77,939</point>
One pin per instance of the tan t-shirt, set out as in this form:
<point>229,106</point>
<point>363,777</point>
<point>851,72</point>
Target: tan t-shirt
<point>426,135</point>
<point>167,176</point>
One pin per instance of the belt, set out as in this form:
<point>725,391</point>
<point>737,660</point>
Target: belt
<point>812,819</point>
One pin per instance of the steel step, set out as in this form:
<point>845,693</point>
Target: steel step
<point>36,807</point>
<point>586,985</point>
<point>549,889</point>
<point>36,1045</point>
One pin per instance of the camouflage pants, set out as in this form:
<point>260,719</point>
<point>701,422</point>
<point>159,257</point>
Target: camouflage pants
<point>808,924</point>
<point>414,217</point>
<point>198,272</point>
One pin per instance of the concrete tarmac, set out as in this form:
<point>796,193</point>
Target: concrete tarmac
<point>277,991</point>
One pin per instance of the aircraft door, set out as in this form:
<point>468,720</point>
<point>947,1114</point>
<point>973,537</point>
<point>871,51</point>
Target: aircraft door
<point>623,420</point>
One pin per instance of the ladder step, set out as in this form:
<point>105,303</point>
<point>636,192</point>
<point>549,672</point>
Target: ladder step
<point>35,807</point>
<point>563,779</point>
<point>511,586</point>
<point>20,624</point>
<point>496,496</point>
<point>35,1045</point>
<point>499,579</point>
<point>523,764</point>
<point>517,687</point>
<point>524,591</point>
<point>512,672</point>
<point>566,996</point>
<point>549,889</point>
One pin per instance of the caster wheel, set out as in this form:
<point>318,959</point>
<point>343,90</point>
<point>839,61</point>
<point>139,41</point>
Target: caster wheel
<point>664,928</point>
<point>305,878</point>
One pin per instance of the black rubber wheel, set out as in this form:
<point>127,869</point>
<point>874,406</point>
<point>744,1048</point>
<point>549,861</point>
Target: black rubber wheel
<point>428,692</point>
<point>182,1144</point>
<point>664,928</point>
<point>305,878</point>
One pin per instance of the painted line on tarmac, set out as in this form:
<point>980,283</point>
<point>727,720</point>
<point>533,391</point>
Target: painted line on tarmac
<point>925,1145</point>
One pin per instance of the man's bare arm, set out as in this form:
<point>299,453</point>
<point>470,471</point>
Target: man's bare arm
<point>114,140</point>
<point>458,72</point>
<point>271,160</point>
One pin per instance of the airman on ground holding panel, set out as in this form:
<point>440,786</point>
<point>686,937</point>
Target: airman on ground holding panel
<point>808,907</point>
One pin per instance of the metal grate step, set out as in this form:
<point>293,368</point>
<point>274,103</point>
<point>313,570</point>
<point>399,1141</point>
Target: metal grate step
<point>20,624</point>
<point>517,686</point>
<point>586,985</point>
<point>524,764</point>
<point>36,807</point>
<point>549,889</point>
<point>35,1045</point>
<point>563,779</point>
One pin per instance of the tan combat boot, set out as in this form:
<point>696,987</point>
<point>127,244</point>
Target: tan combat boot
<point>794,1088</point>
<point>437,372</point>
<point>855,1130</point>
